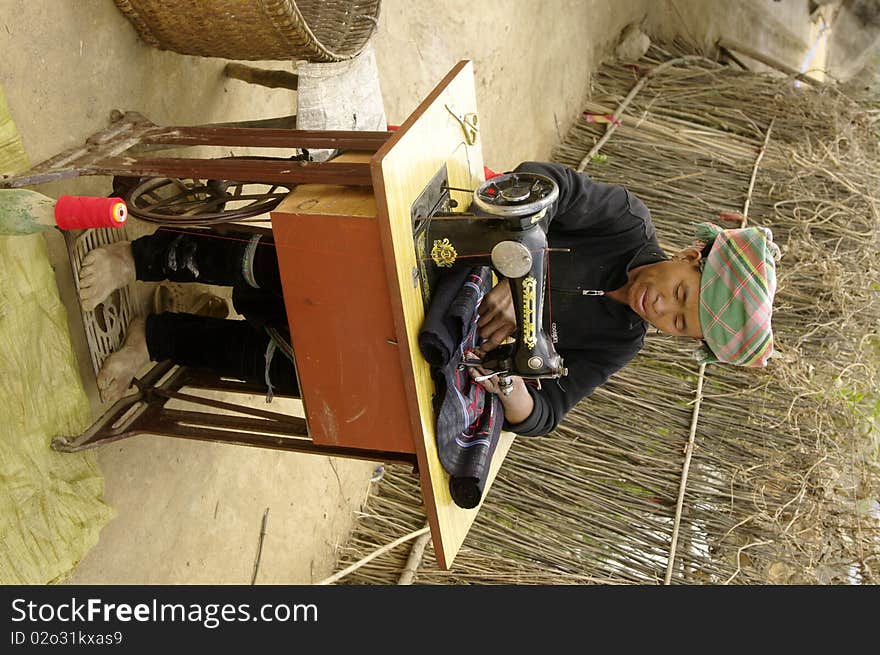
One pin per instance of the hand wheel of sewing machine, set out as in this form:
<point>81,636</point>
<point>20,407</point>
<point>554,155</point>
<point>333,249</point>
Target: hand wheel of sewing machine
<point>190,202</point>
<point>515,195</point>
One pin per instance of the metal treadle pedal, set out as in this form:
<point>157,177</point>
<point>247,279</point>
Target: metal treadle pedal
<point>105,326</point>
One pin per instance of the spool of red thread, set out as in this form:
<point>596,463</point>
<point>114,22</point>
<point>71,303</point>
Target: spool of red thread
<point>82,212</point>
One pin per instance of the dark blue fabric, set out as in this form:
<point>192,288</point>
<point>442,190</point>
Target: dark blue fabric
<point>468,419</point>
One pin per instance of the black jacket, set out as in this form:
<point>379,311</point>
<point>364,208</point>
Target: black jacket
<point>609,232</point>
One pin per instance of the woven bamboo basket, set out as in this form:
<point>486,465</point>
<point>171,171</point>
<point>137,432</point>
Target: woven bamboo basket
<point>311,30</point>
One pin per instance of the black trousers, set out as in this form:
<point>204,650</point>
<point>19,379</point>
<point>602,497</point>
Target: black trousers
<point>230,348</point>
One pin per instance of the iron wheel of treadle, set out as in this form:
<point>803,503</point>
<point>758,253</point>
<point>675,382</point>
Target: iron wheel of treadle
<point>188,202</point>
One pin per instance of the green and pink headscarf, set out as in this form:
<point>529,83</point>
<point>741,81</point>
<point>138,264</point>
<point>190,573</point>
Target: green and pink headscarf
<point>736,294</point>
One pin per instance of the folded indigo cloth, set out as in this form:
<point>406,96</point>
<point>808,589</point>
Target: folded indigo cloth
<point>468,419</point>
<point>467,492</point>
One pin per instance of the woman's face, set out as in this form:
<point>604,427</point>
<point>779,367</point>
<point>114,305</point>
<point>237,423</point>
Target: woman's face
<point>667,294</point>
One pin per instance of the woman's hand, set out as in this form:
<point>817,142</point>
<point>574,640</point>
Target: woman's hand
<point>517,402</point>
<point>497,317</point>
<point>496,384</point>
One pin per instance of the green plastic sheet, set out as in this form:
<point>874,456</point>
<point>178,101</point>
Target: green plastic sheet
<point>51,504</point>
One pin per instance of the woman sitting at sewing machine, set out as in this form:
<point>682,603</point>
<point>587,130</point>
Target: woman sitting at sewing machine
<point>610,279</point>
<point>614,280</point>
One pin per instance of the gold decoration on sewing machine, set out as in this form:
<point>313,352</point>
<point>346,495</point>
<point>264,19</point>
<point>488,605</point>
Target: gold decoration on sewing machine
<point>443,253</point>
<point>529,318</point>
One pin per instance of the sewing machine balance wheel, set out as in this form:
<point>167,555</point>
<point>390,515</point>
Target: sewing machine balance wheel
<point>516,194</point>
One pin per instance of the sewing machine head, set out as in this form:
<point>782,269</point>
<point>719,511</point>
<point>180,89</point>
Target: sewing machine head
<point>504,230</point>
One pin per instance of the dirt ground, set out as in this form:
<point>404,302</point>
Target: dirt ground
<point>192,512</point>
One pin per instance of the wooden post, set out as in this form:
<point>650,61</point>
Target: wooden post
<point>271,78</point>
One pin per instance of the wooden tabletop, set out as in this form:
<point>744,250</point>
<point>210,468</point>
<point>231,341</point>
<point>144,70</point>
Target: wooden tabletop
<point>429,139</point>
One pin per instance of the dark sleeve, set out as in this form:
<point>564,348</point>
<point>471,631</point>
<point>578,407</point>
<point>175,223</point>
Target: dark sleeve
<point>585,205</point>
<point>588,369</point>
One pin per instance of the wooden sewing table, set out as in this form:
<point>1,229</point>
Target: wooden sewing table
<point>350,278</point>
<point>351,288</point>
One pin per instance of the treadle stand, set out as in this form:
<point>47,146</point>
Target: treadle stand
<point>105,153</point>
<point>145,413</point>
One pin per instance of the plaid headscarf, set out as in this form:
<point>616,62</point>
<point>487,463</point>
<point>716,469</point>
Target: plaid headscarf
<point>736,294</point>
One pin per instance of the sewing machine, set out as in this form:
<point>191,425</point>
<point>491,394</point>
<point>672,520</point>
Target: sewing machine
<point>503,230</point>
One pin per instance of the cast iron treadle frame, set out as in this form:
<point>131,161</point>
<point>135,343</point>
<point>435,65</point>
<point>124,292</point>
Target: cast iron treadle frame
<point>145,413</point>
<point>106,153</point>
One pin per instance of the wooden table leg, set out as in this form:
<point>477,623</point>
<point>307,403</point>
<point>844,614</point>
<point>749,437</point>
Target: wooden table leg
<point>272,78</point>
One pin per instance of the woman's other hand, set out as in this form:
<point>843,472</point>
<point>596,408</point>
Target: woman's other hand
<point>497,317</point>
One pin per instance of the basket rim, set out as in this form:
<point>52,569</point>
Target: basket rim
<point>335,55</point>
